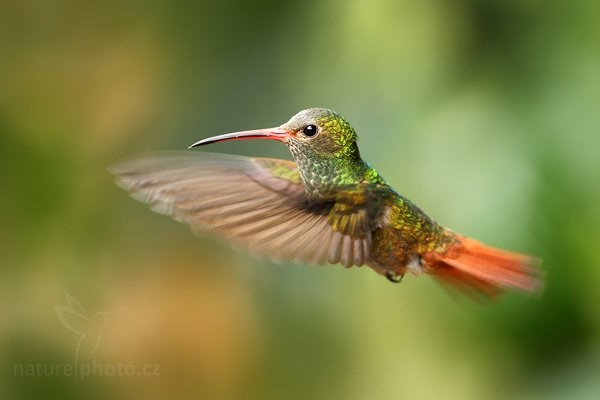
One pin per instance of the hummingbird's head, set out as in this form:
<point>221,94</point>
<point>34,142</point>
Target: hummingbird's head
<point>323,144</point>
<point>311,132</point>
<point>320,132</point>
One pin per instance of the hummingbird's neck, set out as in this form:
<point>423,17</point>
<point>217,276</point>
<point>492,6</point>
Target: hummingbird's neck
<point>325,174</point>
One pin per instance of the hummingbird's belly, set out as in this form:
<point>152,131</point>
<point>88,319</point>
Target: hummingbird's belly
<point>405,234</point>
<point>391,248</point>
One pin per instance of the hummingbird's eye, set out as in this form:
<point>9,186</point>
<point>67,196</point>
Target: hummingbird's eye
<point>309,130</point>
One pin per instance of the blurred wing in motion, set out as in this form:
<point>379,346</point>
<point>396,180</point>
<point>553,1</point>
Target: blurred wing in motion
<point>259,203</point>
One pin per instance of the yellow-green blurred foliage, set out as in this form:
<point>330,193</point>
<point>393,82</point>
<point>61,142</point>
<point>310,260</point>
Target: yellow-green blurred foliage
<point>485,113</point>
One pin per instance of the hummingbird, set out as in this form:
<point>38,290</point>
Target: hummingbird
<point>328,206</point>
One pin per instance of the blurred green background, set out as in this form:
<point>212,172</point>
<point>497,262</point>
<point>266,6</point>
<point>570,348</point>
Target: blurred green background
<point>485,113</point>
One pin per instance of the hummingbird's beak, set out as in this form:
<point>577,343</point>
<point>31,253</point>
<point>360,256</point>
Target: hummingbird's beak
<point>269,133</point>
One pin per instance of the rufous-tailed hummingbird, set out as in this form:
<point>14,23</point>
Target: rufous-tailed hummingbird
<point>329,206</point>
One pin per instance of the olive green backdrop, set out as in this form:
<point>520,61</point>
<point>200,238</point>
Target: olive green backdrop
<point>485,113</point>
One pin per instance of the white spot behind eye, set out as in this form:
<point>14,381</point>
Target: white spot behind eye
<point>414,265</point>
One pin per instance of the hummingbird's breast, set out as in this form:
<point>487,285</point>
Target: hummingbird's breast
<point>324,175</point>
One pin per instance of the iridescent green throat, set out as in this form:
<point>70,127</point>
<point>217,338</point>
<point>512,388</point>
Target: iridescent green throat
<point>324,175</point>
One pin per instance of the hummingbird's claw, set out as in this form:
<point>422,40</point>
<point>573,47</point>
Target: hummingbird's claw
<point>394,277</point>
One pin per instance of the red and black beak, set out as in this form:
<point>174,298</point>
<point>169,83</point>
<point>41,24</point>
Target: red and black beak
<point>269,134</point>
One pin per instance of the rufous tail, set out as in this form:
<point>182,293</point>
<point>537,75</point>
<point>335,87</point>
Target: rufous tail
<point>482,271</point>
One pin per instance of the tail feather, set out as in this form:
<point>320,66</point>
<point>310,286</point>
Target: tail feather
<point>457,281</point>
<point>483,271</point>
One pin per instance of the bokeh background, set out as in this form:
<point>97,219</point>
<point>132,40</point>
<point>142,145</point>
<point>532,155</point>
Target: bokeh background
<point>485,113</point>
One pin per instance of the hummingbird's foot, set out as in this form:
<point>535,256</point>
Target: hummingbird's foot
<point>393,276</point>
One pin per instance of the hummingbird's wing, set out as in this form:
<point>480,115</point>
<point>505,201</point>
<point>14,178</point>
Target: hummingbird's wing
<point>256,202</point>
